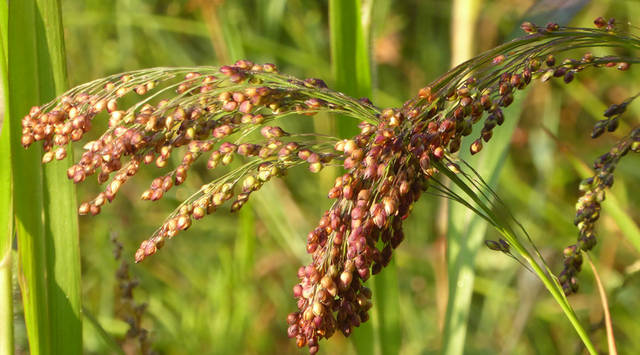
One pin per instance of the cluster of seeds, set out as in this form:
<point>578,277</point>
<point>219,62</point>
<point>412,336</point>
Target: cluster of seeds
<point>388,166</point>
<point>356,237</point>
<point>205,111</point>
<point>229,113</point>
<point>589,205</point>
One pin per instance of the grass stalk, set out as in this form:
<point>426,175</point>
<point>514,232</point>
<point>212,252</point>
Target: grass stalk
<point>46,224</point>
<point>463,238</point>
<point>349,55</point>
<point>543,273</point>
<point>6,208</point>
<point>27,173</point>
<point>611,340</point>
<point>349,31</point>
<point>61,227</point>
<point>6,304</point>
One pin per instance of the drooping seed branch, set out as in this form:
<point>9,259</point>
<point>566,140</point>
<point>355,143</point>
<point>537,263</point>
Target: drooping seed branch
<point>232,112</point>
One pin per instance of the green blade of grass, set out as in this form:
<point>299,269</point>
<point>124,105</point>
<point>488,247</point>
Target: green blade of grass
<point>349,30</point>
<point>61,222</point>
<point>27,174</point>
<point>6,214</point>
<point>44,206</point>
<point>6,208</point>
<point>469,194</point>
<point>103,336</point>
<point>466,231</point>
<point>466,235</point>
<point>349,54</point>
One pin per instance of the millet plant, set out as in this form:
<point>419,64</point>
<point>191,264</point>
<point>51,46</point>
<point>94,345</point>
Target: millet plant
<point>230,115</point>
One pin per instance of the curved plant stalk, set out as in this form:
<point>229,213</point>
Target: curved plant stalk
<point>465,231</point>
<point>476,199</point>
<point>232,112</point>
<point>611,339</point>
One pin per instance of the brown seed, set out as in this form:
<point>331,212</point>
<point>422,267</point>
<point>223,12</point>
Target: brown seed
<point>528,27</point>
<point>315,167</point>
<point>84,208</point>
<point>94,210</point>
<point>476,146</point>
<point>345,279</point>
<point>623,66</point>
<point>60,153</point>
<point>47,157</point>
<point>318,309</point>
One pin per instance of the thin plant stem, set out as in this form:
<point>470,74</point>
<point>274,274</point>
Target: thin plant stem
<point>611,340</point>
<point>6,304</point>
<point>6,205</point>
<point>543,274</point>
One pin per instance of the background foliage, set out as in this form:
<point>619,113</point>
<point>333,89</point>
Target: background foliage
<point>225,286</point>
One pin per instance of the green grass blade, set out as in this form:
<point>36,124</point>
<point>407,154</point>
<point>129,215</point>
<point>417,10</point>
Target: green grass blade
<point>471,194</point>
<point>48,252</point>
<point>466,235</point>
<point>27,174</point>
<point>385,317</point>
<point>466,231</point>
<point>103,336</point>
<point>6,207</point>
<point>349,54</point>
<point>349,28</point>
<point>61,227</point>
<point>6,304</point>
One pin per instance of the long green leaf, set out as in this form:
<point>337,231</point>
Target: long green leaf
<point>23,90</point>
<point>44,204</point>
<point>349,28</point>
<point>465,231</point>
<point>349,54</point>
<point>6,207</point>
<point>469,195</point>
<point>61,227</point>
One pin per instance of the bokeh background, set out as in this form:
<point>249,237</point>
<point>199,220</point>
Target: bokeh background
<point>224,287</point>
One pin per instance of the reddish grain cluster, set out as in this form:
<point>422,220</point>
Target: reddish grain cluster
<point>229,113</point>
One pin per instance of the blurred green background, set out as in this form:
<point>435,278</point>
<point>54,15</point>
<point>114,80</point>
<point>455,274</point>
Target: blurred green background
<point>224,287</point>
